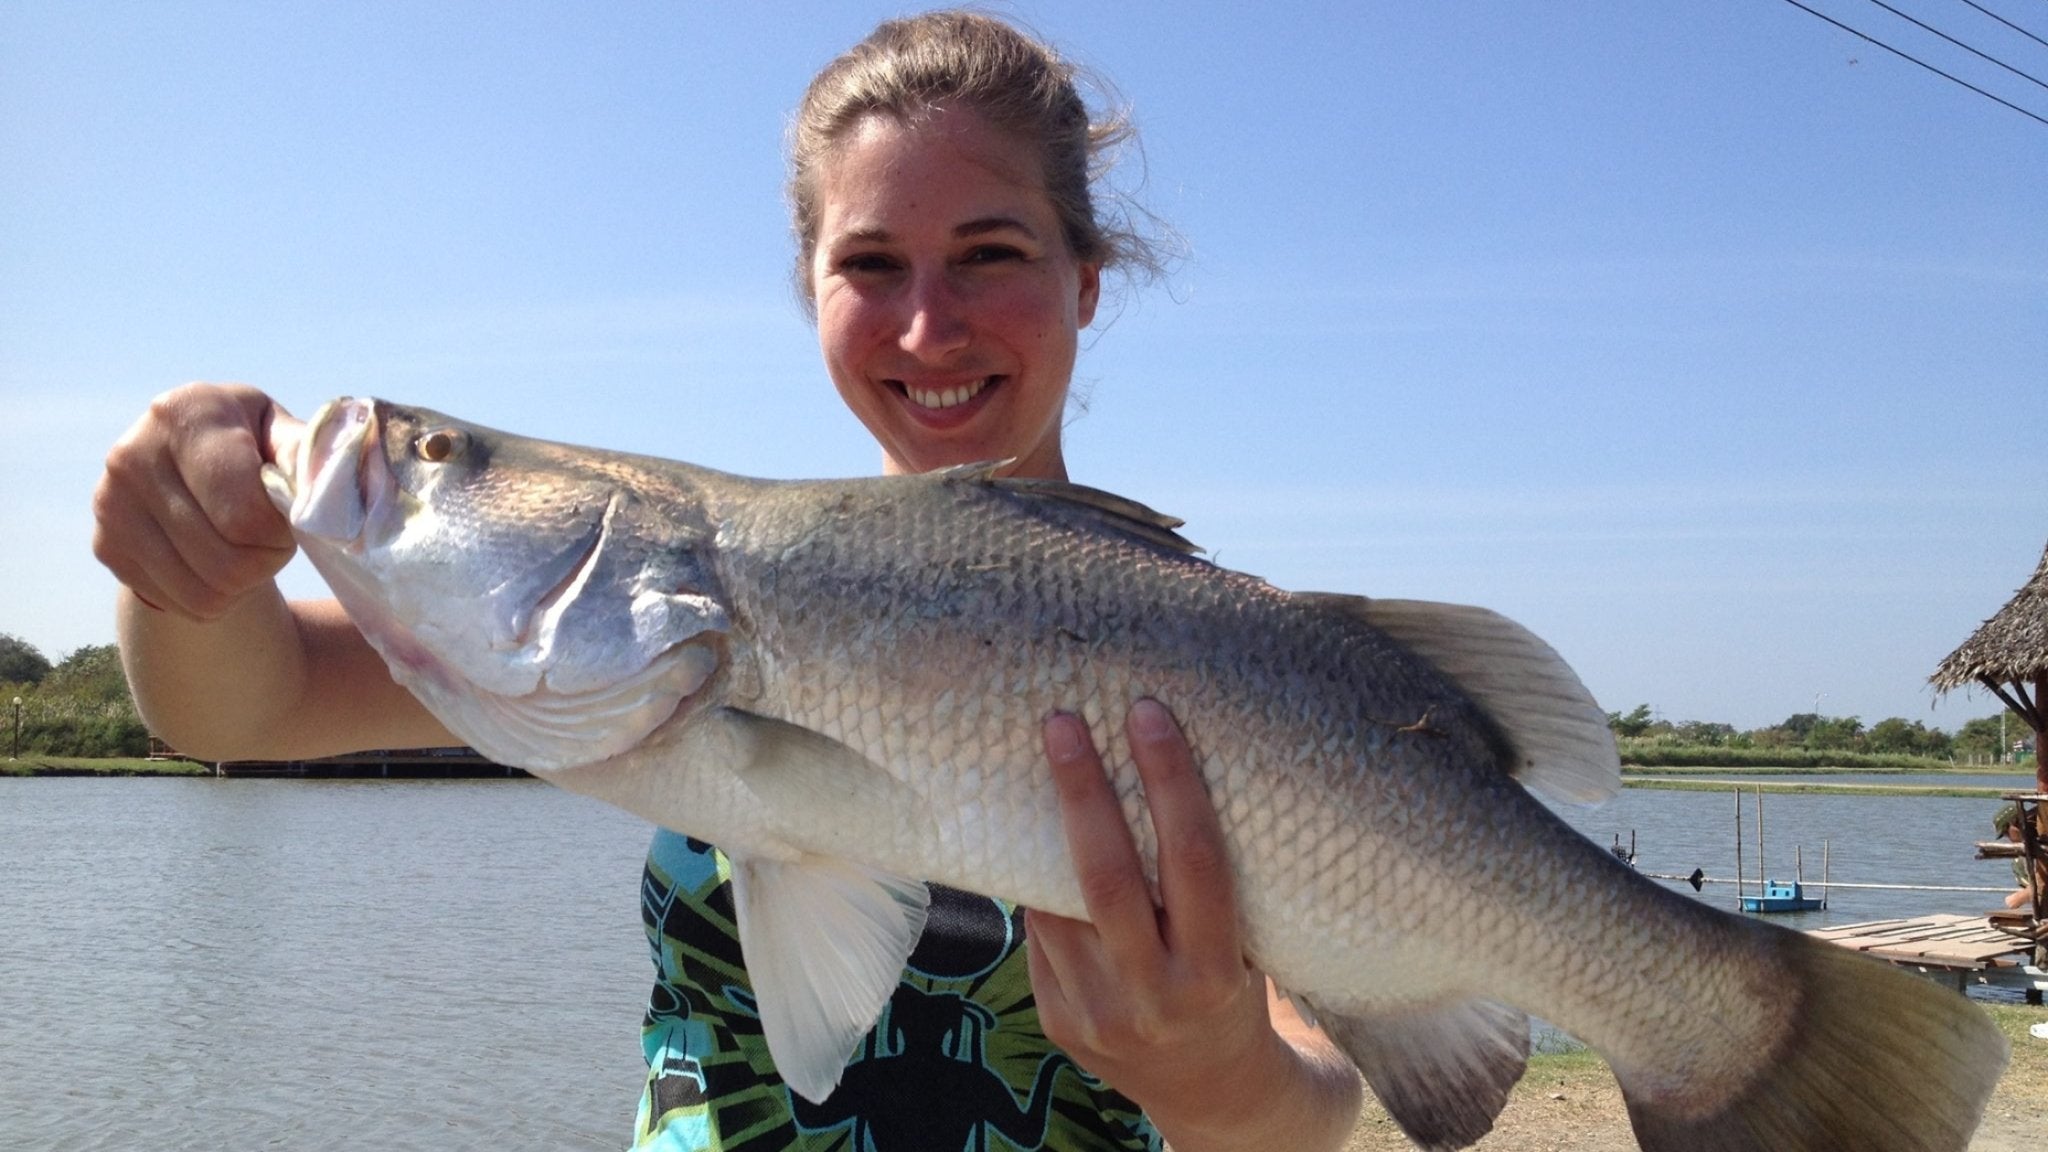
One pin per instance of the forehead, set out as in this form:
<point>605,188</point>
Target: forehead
<point>888,172</point>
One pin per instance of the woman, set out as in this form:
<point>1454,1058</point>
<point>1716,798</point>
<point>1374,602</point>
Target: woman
<point>949,245</point>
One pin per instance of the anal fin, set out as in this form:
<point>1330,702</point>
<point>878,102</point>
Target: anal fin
<point>825,941</point>
<point>1443,1072</point>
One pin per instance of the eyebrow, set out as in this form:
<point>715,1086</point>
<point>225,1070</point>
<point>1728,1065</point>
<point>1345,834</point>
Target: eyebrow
<point>980,226</point>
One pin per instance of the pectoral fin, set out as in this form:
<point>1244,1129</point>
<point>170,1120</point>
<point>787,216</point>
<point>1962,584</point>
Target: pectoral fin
<point>825,941</point>
<point>827,797</point>
<point>1560,738</point>
<point>1443,1072</point>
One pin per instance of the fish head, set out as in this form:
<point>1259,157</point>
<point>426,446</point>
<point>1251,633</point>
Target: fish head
<point>530,594</point>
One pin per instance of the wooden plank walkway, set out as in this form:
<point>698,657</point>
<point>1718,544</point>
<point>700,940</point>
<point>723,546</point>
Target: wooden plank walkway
<point>1944,941</point>
<point>1967,948</point>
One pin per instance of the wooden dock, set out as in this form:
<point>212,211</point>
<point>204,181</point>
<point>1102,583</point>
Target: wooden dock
<point>1970,950</point>
<point>410,763</point>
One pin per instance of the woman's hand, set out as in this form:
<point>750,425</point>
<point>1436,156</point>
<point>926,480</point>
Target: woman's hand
<point>220,665</point>
<point>180,514</point>
<point>1157,999</point>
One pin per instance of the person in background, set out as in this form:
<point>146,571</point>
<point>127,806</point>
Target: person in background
<point>951,246</point>
<point>2006,824</point>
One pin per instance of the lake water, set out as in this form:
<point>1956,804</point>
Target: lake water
<point>305,964</point>
<point>239,964</point>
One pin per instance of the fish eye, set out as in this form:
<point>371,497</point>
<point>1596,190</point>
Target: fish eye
<point>440,444</point>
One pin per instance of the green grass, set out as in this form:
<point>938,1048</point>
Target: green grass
<point>1933,768</point>
<point>1651,754</point>
<point>34,765</point>
<point>1689,785</point>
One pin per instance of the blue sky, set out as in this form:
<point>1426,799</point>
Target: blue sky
<point>1707,340</point>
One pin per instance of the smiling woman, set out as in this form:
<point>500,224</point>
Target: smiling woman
<point>950,240</point>
<point>948,300</point>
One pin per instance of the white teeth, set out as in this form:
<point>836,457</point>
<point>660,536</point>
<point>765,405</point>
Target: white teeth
<point>947,397</point>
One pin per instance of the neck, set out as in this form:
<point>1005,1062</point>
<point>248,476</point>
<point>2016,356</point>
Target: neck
<point>1046,462</point>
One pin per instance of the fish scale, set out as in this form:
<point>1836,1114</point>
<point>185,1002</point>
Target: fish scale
<point>842,684</point>
<point>970,562</point>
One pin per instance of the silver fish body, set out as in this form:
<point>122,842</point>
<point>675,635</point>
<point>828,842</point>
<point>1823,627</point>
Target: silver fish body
<point>841,683</point>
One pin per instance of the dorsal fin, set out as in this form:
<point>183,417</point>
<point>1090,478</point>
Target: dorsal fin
<point>1561,742</point>
<point>1119,514</point>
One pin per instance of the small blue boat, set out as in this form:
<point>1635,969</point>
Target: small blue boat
<point>1783,896</point>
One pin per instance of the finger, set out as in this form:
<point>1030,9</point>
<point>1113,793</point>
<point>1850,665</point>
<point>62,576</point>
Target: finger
<point>1106,861</point>
<point>151,528</point>
<point>210,568</point>
<point>1197,885</point>
<point>224,436</point>
<point>1048,986</point>
<point>281,434</point>
<point>1063,959</point>
<point>133,545</point>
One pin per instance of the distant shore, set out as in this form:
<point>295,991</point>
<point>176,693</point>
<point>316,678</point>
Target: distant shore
<point>1915,781</point>
<point>98,766</point>
<point>410,764</point>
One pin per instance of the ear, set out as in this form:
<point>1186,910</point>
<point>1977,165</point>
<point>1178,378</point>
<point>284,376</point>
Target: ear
<point>1091,293</point>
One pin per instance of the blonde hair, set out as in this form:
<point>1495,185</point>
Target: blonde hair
<point>920,64</point>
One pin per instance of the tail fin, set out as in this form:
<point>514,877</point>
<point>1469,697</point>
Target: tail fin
<point>1877,1061</point>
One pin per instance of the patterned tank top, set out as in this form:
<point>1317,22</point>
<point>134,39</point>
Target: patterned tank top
<point>956,1061</point>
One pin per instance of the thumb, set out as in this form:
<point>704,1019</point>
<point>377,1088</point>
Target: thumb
<point>281,435</point>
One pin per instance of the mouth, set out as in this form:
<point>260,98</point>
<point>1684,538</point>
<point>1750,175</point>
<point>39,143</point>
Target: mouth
<point>949,403</point>
<point>330,487</point>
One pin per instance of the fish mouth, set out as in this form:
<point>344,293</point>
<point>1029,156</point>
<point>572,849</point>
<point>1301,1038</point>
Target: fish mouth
<point>335,486</point>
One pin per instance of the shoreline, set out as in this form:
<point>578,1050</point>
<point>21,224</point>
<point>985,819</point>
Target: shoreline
<point>415,766</point>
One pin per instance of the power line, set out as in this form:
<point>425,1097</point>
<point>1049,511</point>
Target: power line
<point>1915,60</point>
<point>2007,23</point>
<point>1954,41</point>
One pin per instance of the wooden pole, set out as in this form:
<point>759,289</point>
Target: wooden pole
<point>1738,847</point>
<point>1762,878</point>
<point>1823,874</point>
<point>2040,719</point>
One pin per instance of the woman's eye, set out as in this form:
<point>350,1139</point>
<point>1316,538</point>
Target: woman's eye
<point>867,262</point>
<point>993,254</point>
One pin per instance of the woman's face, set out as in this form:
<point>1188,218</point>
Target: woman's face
<point>949,306</point>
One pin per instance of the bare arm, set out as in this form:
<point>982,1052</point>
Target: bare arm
<point>220,664</point>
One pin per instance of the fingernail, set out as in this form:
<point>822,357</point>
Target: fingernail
<point>1063,738</point>
<point>1150,720</point>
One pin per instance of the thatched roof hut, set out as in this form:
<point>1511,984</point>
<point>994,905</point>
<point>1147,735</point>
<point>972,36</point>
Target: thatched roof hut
<point>2009,655</point>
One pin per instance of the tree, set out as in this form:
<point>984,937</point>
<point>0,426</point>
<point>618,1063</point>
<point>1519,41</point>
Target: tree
<point>1635,723</point>
<point>1835,732</point>
<point>20,662</point>
<point>1706,732</point>
<point>91,673</point>
<point>1982,736</point>
<point>1800,725</point>
<point>1896,734</point>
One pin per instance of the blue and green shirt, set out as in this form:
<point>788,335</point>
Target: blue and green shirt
<point>957,1060</point>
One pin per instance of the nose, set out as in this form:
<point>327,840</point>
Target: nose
<point>935,324</point>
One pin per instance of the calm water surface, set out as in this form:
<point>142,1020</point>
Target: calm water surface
<point>202,964</point>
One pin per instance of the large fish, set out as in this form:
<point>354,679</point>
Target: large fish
<point>841,683</point>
